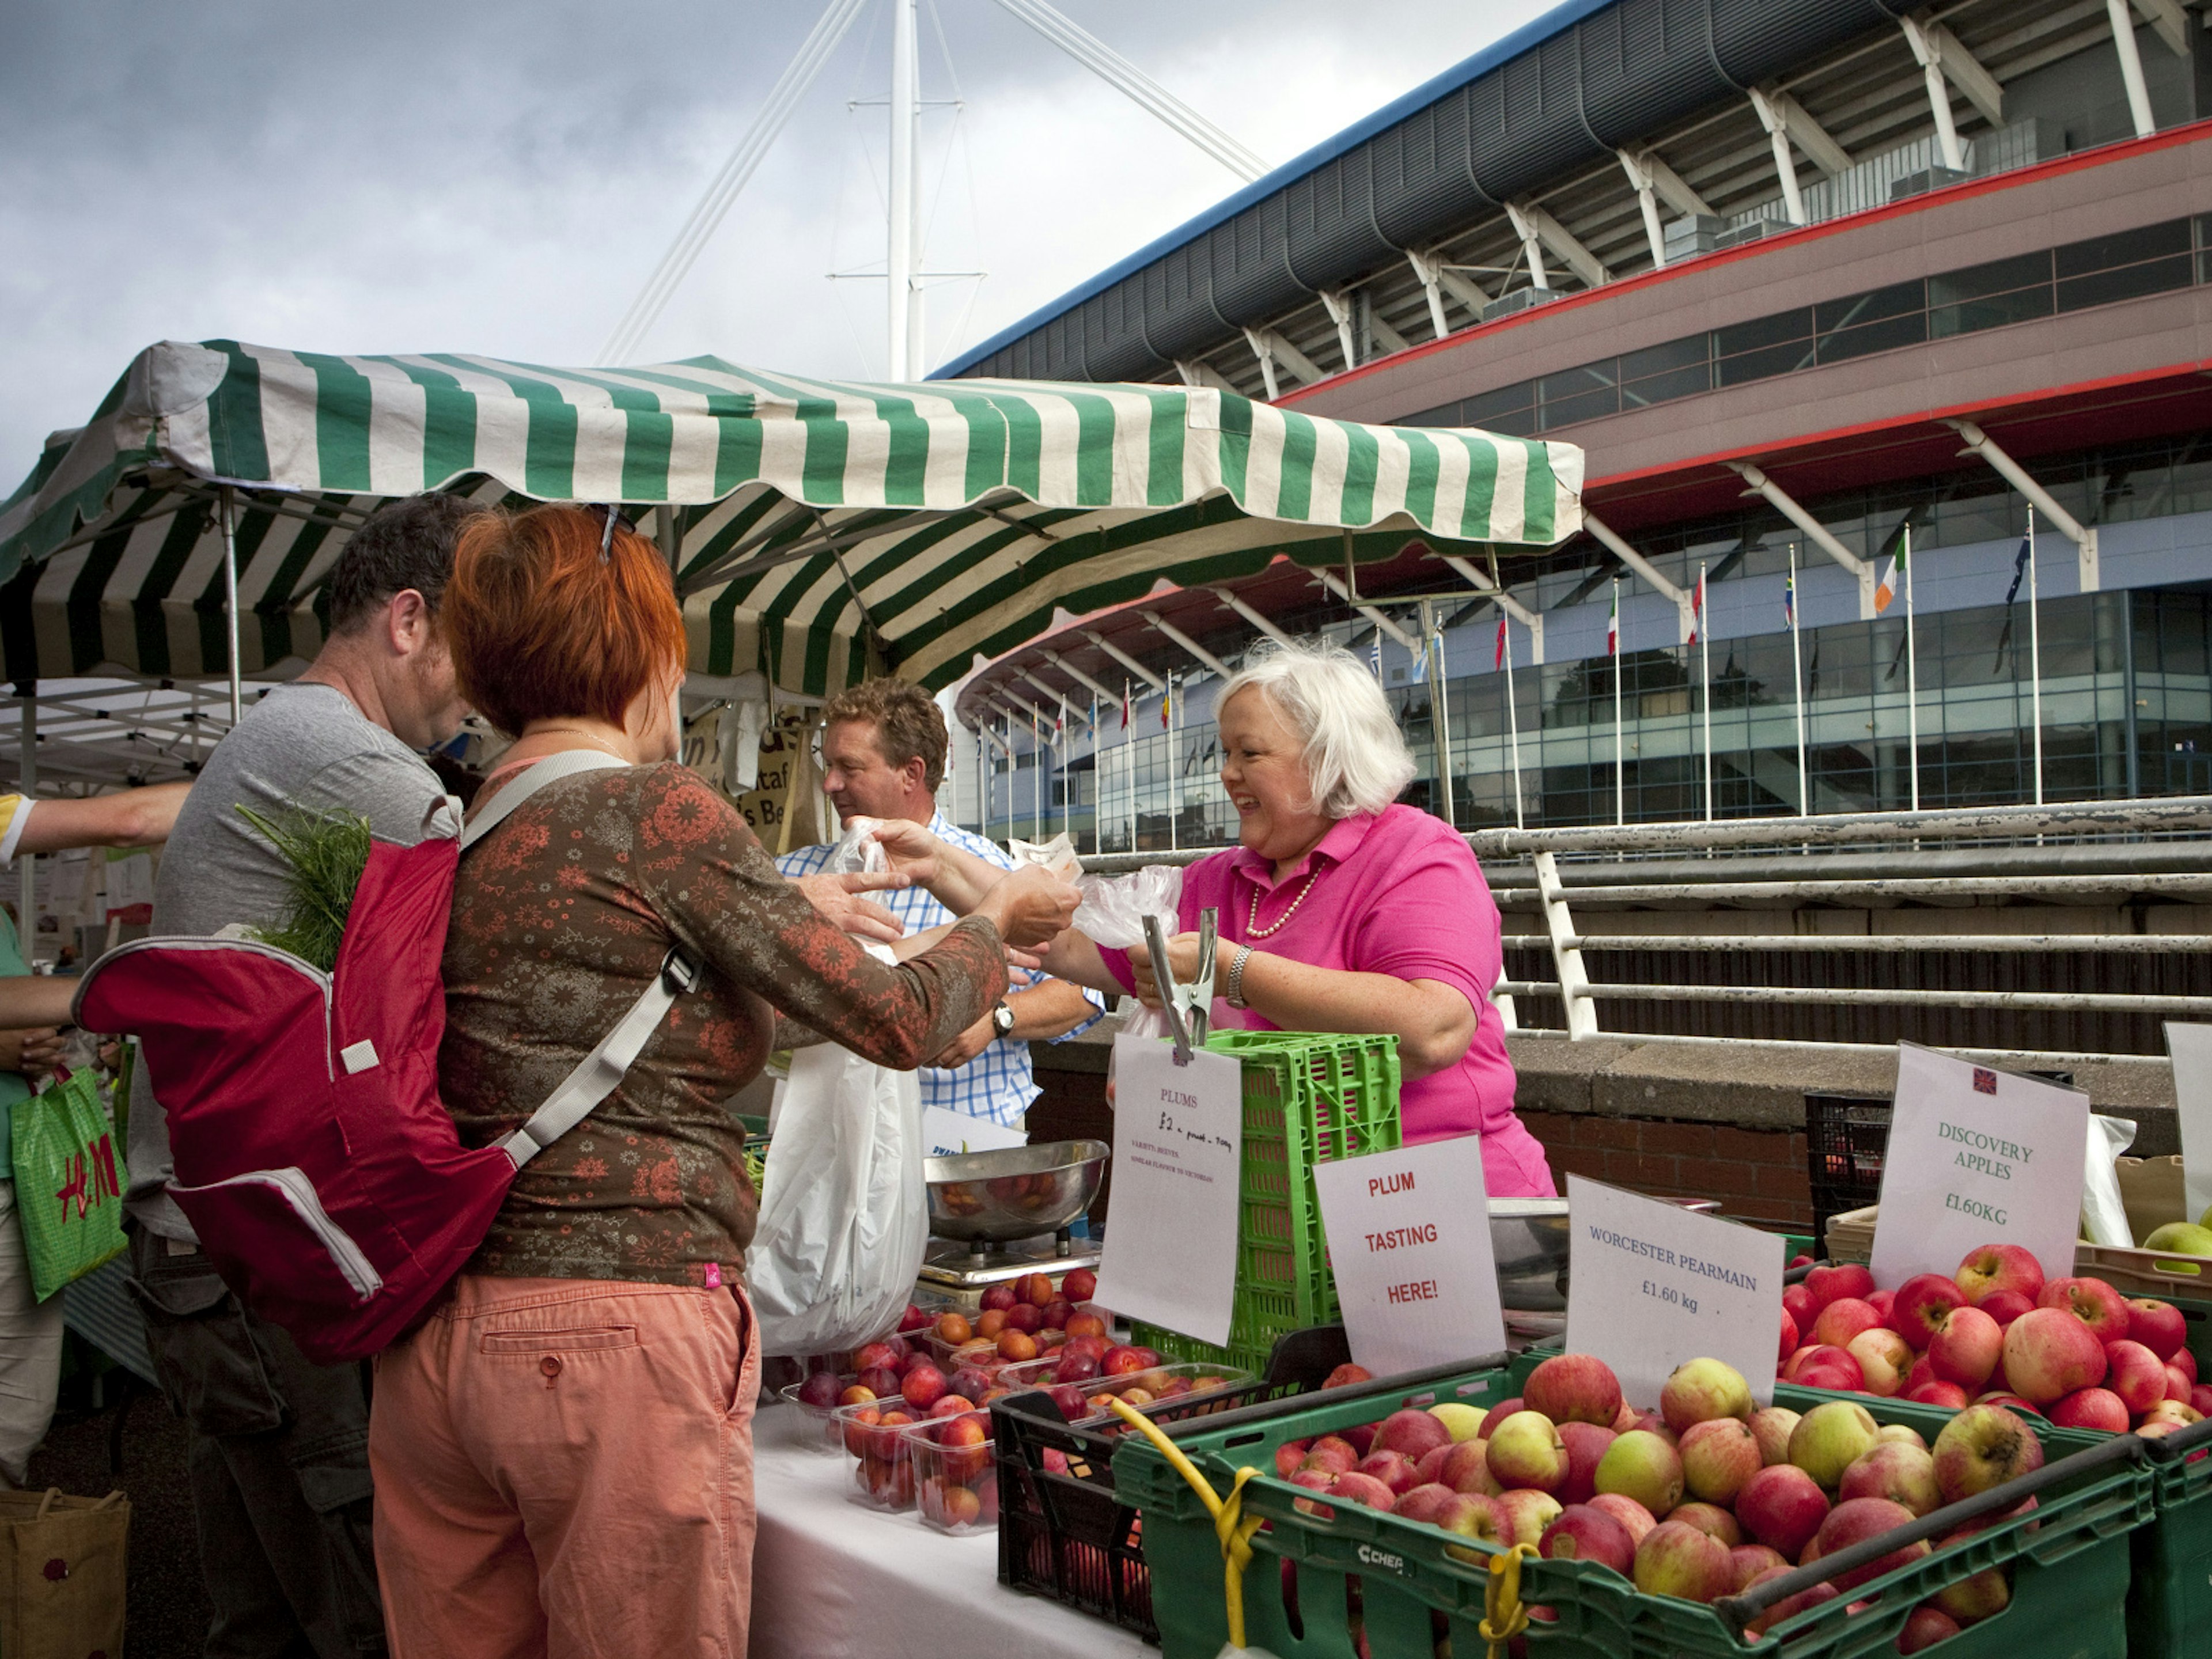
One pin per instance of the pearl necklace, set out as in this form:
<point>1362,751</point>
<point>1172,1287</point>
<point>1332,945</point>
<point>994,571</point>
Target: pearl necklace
<point>1252,928</point>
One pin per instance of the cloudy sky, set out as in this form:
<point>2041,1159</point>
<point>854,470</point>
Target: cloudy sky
<point>502,176</point>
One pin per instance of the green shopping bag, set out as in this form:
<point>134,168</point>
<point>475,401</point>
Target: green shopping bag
<point>69,1182</point>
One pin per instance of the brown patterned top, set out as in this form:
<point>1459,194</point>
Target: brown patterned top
<point>561,917</point>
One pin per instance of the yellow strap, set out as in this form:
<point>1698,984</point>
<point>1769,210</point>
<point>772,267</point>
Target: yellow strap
<point>1506,1617</point>
<point>1231,1524</point>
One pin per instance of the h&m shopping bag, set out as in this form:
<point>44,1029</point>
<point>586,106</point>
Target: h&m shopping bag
<point>69,1182</point>
<point>62,1575</point>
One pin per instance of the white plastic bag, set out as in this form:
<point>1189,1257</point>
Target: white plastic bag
<point>1113,913</point>
<point>2103,1216</point>
<point>844,1217</point>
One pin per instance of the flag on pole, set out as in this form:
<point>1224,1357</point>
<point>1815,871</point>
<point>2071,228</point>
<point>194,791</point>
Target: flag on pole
<point>1697,609</point>
<point>1374,655</point>
<point>1497,657</point>
<point>1167,696</point>
<point>1891,583</point>
<point>1790,601</point>
<point>1613,626</point>
<point>1060,724</point>
<point>1125,705</point>
<point>2018,571</point>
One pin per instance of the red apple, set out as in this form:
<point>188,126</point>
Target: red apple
<point>1429,1466</point>
<point>1748,1561</point>
<point>2136,1374</point>
<point>1627,1511</point>
<point>1797,1302</point>
<point>1857,1519</point>
<point>1771,1427</point>
<point>1826,1285</point>
<point>1923,1303</point>
<point>1947,1395</point>
<point>1676,1560</point>
<point>2200,1400</point>
<point>1392,1470</point>
<point>1924,1627</point>
<point>1832,1379</point>
<point>1899,1471</point>
<point>1999,1267</point>
<point>2092,1408</point>
<point>1466,1468</point>
<point>2159,1326</point>
<point>2004,1306</point>
<point>1422,1502</point>
<point>1923,1371</point>
<point>1884,1357</point>
<point>1585,1533</point>
<point>1884,1303</point>
<point>1965,1350</point>
<point>1473,1516</point>
<point>1829,1439</point>
<point>1782,1506</point>
<point>1413,1432</point>
<point>1574,1387</point>
<point>2051,1353</point>
<point>1586,1444</point>
<point>1786,1343</point>
<point>1361,1436</point>
<point>1526,1453</point>
<point>1358,1488</point>
<point>1985,1446</point>
<point>1331,1455</point>
<point>1840,1321</point>
<point>1824,1355</point>
<point>1642,1466</point>
<point>2186,1361</point>
<point>1717,1457</point>
<point>1710,1519</point>
<point>1345,1376</point>
<point>1506,1409</point>
<point>1289,1457</point>
<point>2093,1302</point>
<point>1526,1513</point>
<point>1080,1286</point>
<point>1699,1391</point>
<point>1790,1606</point>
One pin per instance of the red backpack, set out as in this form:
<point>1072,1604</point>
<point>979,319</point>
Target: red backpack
<point>313,1156</point>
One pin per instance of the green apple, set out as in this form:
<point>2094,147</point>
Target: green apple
<point>1463,1422</point>
<point>2182,1239</point>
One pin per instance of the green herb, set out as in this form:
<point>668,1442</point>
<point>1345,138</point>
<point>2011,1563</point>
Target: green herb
<point>327,851</point>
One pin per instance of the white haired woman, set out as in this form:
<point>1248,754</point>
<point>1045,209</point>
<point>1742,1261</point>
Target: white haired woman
<point>1340,910</point>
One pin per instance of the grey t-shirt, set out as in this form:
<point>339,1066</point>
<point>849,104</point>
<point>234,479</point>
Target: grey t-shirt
<point>303,745</point>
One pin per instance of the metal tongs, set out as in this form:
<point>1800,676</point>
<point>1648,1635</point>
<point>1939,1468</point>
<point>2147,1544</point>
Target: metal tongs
<point>1189,1007</point>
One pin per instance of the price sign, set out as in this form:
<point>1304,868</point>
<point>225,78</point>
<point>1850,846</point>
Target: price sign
<point>1978,1156</point>
<point>1653,1285</point>
<point>1170,1256</point>
<point>2191,1049</point>
<point>1411,1255</point>
<point>951,1133</point>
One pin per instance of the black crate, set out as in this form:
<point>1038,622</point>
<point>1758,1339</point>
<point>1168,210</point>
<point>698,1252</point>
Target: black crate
<point>1065,1536</point>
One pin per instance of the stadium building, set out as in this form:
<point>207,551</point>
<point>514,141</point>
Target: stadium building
<point>1811,283</point>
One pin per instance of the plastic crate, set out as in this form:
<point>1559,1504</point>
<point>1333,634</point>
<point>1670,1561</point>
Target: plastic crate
<point>2172,1593</point>
<point>1309,1098</point>
<point>1846,1138</point>
<point>1412,1587</point>
<point>1064,1535</point>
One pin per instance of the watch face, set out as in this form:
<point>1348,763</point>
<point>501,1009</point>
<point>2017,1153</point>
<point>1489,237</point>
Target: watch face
<point>1002,1019</point>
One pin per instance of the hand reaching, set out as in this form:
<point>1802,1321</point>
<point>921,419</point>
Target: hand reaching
<point>838,898</point>
<point>1030,905</point>
<point>1183,961</point>
<point>910,849</point>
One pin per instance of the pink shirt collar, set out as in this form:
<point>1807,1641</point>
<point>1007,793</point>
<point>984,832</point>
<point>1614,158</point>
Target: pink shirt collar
<point>1341,841</point>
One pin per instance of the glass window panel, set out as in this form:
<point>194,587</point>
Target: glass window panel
<point>2125,283</point>
<point>1994,311</point>
<point>1670,358</point>
<point>1510,409</point>
<point>2124,247</point>
<point>1581,406</point>
<point>1444,415</point>
<point>1764,364</point>
<point>1761,332</point>
<point>1884,335</point>
<point>1998,277</point>
<point>1898,300</point>
<point>1683,382</point>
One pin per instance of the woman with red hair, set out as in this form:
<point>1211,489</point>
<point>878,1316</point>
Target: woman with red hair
<point>563,1450</point>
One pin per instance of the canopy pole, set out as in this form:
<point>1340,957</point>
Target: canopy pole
<point>230,597</point>
<point>27,903</point>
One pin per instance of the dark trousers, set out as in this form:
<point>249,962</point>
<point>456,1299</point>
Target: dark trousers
<point>279,1468</point>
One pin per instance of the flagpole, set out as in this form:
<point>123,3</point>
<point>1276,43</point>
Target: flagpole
<point>2034,657</point>
<point>1912,677</point>
<point>1174,769</point>
<point>1705,680</point>
<point>1797,668</point>
<point>1129,758</point>
<point>1432,657</point>
<point>1013,776</point>
<point>1037,781</point>
<point>1513,723</point>
<point>1619,773</point>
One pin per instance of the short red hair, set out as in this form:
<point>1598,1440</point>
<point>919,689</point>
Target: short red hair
<point>542,628</point>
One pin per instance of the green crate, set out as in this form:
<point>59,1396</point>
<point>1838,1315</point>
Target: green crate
<point>1414,1586</point>
<point>1309,1098</point>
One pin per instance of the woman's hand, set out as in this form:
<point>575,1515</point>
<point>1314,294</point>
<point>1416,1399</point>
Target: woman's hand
<point>1182,962</point>
<point>838,898</point>
<point>1030,905</point>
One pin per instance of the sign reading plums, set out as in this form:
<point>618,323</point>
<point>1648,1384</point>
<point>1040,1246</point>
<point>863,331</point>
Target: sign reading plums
<point>1169,1257</point>
<point>1978,1157</point>
<point>2191,1049</point>
<point>1652,1285</point>
<point>1411,1255</point>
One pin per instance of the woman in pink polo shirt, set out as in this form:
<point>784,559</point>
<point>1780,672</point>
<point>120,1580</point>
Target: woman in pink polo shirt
<point>1340,910</point>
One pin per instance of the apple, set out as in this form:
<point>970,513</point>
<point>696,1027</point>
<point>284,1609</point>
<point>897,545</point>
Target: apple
<point>1797,1302</point>
<point>1965,1351</point>
<point>2184,1361</point>
<point>1700,1390</point>
<point>1676,1560</point>
<point>1506,1409</point>
<point>1834,1379</point>
<point>1990,1267</point>
<point>1884,1356</point>
<point>1574,1387</point>
<point>1331,1455</point>
<point>1782,1507</point>
<point>1429,1466</point>
<point>1710,1519</point>
<point>1466,1468</point>
<point>1947,1395</point>
<point>2200,1399</point>
<point>2136,1374</point>
<point>1786,1343</point>
<point>1627,1511</point>
<point>1923,1303</point>
<point>1422,1502</point>
<point>1923,1371</point>
<point>2050,1353</point>
<point>1826,1285</point>
<point>1642,1466</point>
<point>1717,1457</point>
<point>2180,1238</point>
<point>1526,1513</point>
<point>1823,1357</point>
<point>1924,1626</point>
<point>1857,1519</point>
<point>1771,1427</point>
<point>1842,1319</point>
<point>1973,1600</point>
<point>1473,1516</point>
<point>1830,1439</point>
<point>1748,1561</point>
<point>2093,1302</point>
<point>1461,1421</point>
<point>2159,1326</point>
<point>1392,1470</point>
<point>2005,1306</point>
<point>1361,1436</point>
<point>1902,1433</point>
<point>1527,1453</point>
<point>1903,1473</point>
<point>1584,1534</point>
<point>1413,1432</point>
<point>1790,1606</point>
<point>1586,1444</point>
<point>2092,1408</point>
<point>1652,1423</point>
<point>1884,1303</point>
<point>2011,1402</point>
<point>1358,1488</point>
<point>1624,1418</point>
<point>1985,1446</point>
<point>2177,1385</point>
<point>1290,1457</point>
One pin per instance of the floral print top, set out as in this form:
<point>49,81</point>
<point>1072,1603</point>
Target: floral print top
<point>561,916</point>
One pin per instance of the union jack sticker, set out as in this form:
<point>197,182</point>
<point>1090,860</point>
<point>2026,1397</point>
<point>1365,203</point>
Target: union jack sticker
<point>1985,1080</point>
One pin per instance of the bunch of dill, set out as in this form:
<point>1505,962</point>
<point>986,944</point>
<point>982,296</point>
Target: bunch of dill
<point>327,850</point>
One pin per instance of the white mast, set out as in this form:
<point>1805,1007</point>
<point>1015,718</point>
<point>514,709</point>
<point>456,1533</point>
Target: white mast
<point>905,296</point>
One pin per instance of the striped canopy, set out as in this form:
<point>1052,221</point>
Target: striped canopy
<point>820,530</point>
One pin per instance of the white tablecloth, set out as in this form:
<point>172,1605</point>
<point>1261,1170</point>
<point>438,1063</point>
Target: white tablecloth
<point>832,1578</point>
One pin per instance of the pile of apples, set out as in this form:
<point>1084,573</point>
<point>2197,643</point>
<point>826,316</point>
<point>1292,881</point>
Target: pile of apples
<point>1706,1496</point>
<point>2075,1351</point>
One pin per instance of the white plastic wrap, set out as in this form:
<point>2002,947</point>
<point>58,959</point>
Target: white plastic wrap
<point>2104,1217</point>
<point>1113,913</point>
<point>857,851</point>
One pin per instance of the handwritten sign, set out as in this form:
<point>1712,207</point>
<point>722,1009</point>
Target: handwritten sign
<point>1654,1284</point>
<point>951,1133</point>
<point>1978,1156</point>
<point>1170,1256</point>
<point>1409,1240</point>
<point>2191,1049</point>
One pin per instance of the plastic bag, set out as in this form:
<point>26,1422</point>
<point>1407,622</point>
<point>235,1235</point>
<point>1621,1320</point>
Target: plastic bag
<point>69,1182</point>
<point>1113,913</point>
<point>858,850</point>
<point>2103,1213</point>
<point>844,1217</point>
<point>1057,855</point>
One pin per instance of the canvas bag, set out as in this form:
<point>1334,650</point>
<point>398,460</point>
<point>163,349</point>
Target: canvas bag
<point>69,1181</point>
<point>844,1215</point>
<point>62,1563</point>
<point>315,1158</point>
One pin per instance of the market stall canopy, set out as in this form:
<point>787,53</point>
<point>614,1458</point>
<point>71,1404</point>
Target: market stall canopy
<point>819,530</point>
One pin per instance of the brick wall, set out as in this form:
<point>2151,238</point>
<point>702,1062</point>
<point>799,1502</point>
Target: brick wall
<point>1758,1175</point>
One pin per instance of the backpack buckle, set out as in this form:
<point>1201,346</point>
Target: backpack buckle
<point>678,972</point>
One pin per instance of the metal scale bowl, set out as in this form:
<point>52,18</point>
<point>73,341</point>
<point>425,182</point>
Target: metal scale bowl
<point>997,1215</point>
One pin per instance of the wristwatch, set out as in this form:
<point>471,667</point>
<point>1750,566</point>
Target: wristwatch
<point>1002,1019</point>
<point>1233,992</point>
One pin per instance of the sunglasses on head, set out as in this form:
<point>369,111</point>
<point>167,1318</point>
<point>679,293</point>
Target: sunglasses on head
<point>609,514</point>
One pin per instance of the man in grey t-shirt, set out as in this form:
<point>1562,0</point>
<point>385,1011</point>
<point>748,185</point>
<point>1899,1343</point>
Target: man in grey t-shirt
<point>279,1447</point>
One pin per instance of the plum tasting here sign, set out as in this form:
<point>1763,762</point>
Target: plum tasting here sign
<point>1975,1157</point>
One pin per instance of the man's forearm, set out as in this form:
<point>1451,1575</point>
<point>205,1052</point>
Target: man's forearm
<point>1047,1011</point>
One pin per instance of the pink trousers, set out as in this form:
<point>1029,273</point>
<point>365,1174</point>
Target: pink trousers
<point>564,1469</point>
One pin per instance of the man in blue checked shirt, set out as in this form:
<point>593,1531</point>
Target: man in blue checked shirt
<point>884,745</point>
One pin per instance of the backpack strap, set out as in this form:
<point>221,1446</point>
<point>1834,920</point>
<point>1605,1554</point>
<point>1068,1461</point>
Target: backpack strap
<point>597,1074</point>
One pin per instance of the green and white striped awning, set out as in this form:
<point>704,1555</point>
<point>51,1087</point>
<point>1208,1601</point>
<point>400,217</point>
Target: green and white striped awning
<point>820,530</point>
